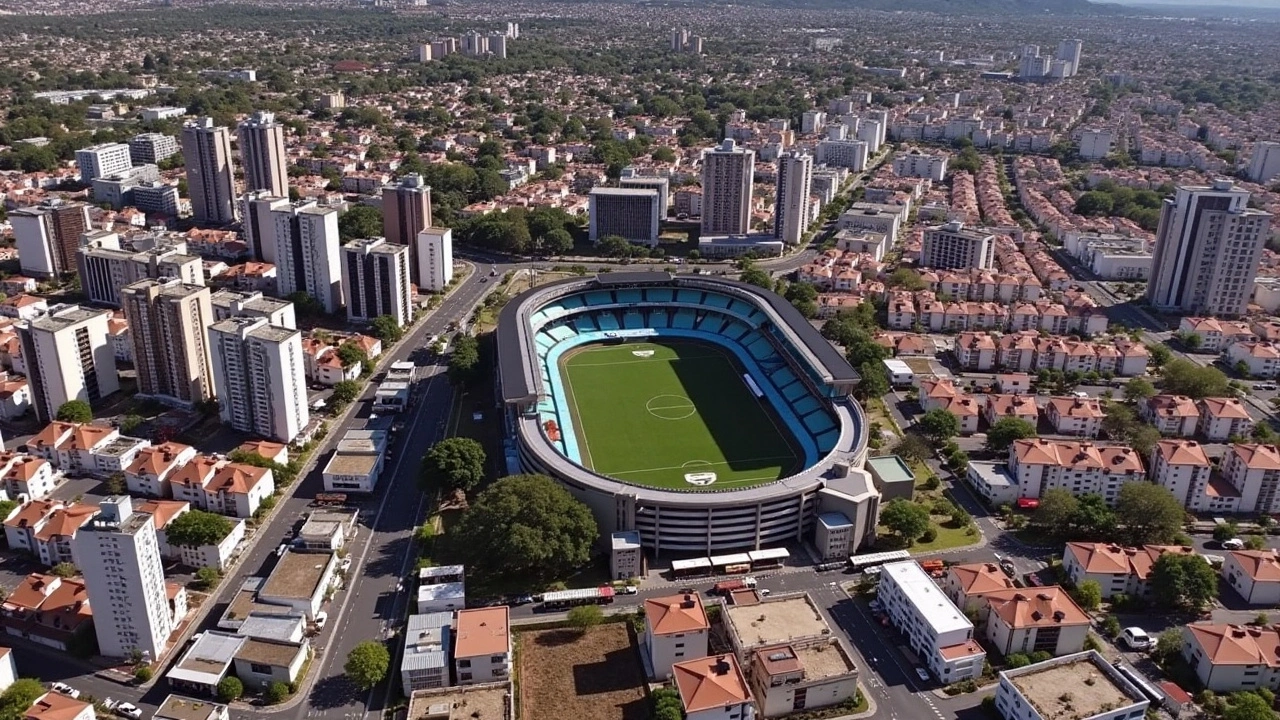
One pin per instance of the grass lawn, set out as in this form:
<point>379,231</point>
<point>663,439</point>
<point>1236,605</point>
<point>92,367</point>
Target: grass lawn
<point>877,412</point>
<point>948,537</point>
<point>672,414</point>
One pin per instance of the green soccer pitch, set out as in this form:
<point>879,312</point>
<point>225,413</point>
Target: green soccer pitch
<point>670,414</point>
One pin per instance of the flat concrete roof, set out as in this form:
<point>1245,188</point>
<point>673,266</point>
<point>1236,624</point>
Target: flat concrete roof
<point>491,701</point>
<point>933,606</point>
<point>180,707</point>
<point>776,621</point>
<point>824,660</point>
<point>891,469</point>
<point>348,464</point>
<point>277,654</point>
<point>1076,688</point>
<point>296,576</point>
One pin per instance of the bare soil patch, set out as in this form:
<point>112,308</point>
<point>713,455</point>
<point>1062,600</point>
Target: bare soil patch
<point>591,676</point>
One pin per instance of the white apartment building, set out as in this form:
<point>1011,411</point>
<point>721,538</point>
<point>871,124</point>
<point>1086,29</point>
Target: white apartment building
<point>262,154</point>
<point>872,217</point>
<point>812,121</point>
<point>916,164</point>
<point>105,269</point>
<point>258,211</point>
<point>1254,574</point>
<point>118,554</point>
<point>1231,658</point>
<point>675,630</point>
<point>1207,250</point>
<point>259,378</point>
<point>791,207</point>
<point>482,650</point>
<point>1096,144</point>
<point>1264,164</point>
<point>105,160</point>
<point>1035,619</point>
<point>435,259</point>
<point>211,181</point>
<point>1116,569</point>
<point>68,355</point>
<point>936,630</point>
<point>1084,685</point>
<point>375,280</point>
<point>850,154</point>
<point>1078,467</point>
<point>1224,418</point>
<point>307,253</point>
<point>1183,467</point>
<point>229,303</point>
<point>1261,359</point>
<point>728,172</point>
<point>952,246</point>
<point>168,323</point>
<point>631,213</point>
<point>152,148</point>
<point>1254,471</point>
<point>48,235</point>
<point>872,133</point>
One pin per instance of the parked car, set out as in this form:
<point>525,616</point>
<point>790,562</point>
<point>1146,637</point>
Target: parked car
<point>1136,638</point>
<point>129,710</point>
<point>65,689</point>
<point>630,590</point>
<point>280,551</point>
<point>1233,544</point>
<point>923,674</point>
<point>322,617</point>
<point>1007,566</point>
<point>345,565</point>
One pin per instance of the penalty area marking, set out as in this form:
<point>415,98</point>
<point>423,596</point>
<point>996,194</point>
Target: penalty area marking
<point>701,478</point>
<point>670,407</point>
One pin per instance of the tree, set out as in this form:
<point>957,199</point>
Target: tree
<point>1247,706</point>
<point>913,448</point>
<point>1092,518</point>
<point>277,692</point>
<point>7,507</point>
<point>939,425</point>
<point>1138,389</point>
<point>208,577</point>
<point>905,518</point>
<point>361,221</point>
<point>1149,512</point>
<point>454,463</point>
<point>65,570</point>
<point>906,279</point>
<point>464,360</point>
<point>129,423</point>
<point>1005,430</point>
<point>1089,594</point>
<point>386,329</point>
<point>350,354</point>
<point>367,664</point>
<point>230,689</point>
<point>875,380</point>
<point>19,696</point>
<point>1225,531</point>
<point>143,673</point>
<point>116,484</point>
<point>585,616</point>
<point>75,411</point>
<point>1183,580</point>
<point>197,528</point>
<point>1183,377</point>
<point>557,242</point>
<point>1056,510</point>
<point>755,276</point>
<point>344,393</point>
<point>1159,355</point>
<point>524,524</point>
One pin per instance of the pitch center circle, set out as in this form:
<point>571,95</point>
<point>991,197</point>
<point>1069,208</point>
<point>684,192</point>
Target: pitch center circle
<point>670,407</point>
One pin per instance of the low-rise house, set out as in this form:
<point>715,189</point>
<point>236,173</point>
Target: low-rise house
<point>48,610</point>
<point>300,581</point>
<point>1029,620</point>
<point>259,663</point>
<point>426,660</point>
<point>1084,685</point>
<point>1078,467</point>
<point>936,394</point>
<point>1172,415</point>
<point>966,409</point>
<point>148,475</point>
<point>85,449</point>
<point>222,486</point>
<point>1258,359</point>
<point>482,651</point>
<point>1023,407</point>
<point>968,584</point>
<point>53,535</point>
<point>15,397</point>
<point>26,476</point>
<point>1081,417</point>
<point>786,679</point>
<point>1117,569</point>
<point>1254,574</point>
<point>177,707</point>
<point>1230,658</point>
<point>55,706</point>
<point>205,663</point>
<point>1224,418</point>
<point>1215,335</point>
<point>675,629</point>
<point>713,688</point>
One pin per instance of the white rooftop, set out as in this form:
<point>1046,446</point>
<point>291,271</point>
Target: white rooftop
<point>927,598</point>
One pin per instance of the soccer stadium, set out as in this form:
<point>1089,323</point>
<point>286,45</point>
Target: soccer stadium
<point>705,413</point>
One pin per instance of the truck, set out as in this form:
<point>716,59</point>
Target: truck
<point>935,568</point>
<point>724,587</point>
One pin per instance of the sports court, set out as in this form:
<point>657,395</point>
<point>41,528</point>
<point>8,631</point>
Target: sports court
<point>677,415</point>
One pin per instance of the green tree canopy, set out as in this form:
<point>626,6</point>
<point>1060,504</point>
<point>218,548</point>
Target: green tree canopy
<point>464,361</point>
<point>367,664</point>
<point>907,519</point>
<point>16,698</point>
<point>230,689</point>
<point>1248,706</point>
<point>753,275</point>
<point>524,524</point>
<point>196,528</point>
<point>386,329</point>
<point>75,411</point>
<point>1003,432</point>
<point>557,242</point>
<point>1150,513</point>
<point>614,246</point>
<point>1057,509</point>
<point>1183,377</point>
<point>939,425</point>
<point>344,393</point>
<point>359,222</point>
<point>350,354</point>
<point>585,616</point>
<point>1183,580</point>
<point>454,463</point>
<point>1089,594</point>
<point>1225,531</point>
<point>1138,389</point>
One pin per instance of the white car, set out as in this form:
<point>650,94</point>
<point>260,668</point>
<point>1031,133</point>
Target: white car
<point>129,710</point>
<point>110,704</point>
<point>923,674</point>
<point>629,590</point>
<point>322,617</point>
<point>1233,544</point>
<point>345,565</point>
<point>1136,638</point>
<point>65,689</point>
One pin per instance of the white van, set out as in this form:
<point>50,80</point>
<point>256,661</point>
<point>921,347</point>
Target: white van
<point>1136,638</point>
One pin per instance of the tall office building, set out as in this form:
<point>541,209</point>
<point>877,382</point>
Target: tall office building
<point>728,172</point>
<point>306,239</point>
<point>103,160</point>
<point>406,211</point>
<point>1264,164</point>
<point>119,555</point>
<point>633,179</point>
<point>375,279</point>
<point>259,377</point>
<point>152,148</point>
<point>259,225</point>
<point>210,175</point>
<point>498,45</point>
<point>850,154</point>
<point>1207,250</point>
<point>105,269</point>
<point>630,213</point>
<point>262,154</point>
<point>68,356</point>
<point>1069,52</point>
<point>1031,64</point>
<point>954,246</point>
<point>168,321</point>
<point>435,259</point>
<point>791,210</point>
<point>48,236</point>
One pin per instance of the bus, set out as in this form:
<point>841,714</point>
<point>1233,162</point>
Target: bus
<point>860,563</point>
<point>768,559</point>
<point>562,599</point>
<point>693,567</point>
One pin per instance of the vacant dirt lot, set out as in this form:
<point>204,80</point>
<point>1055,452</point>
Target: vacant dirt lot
<point>595,676</point>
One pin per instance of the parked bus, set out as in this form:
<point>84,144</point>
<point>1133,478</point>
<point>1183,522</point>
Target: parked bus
<point>693,567</point>
<point>561,599</point>
<point>768,559</point>
<point>860,563</point>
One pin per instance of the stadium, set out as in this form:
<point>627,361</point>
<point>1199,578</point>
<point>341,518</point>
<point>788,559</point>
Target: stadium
<point>704,413</point>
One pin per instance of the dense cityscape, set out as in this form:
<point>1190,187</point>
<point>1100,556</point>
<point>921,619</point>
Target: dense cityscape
<point>632,361</point>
